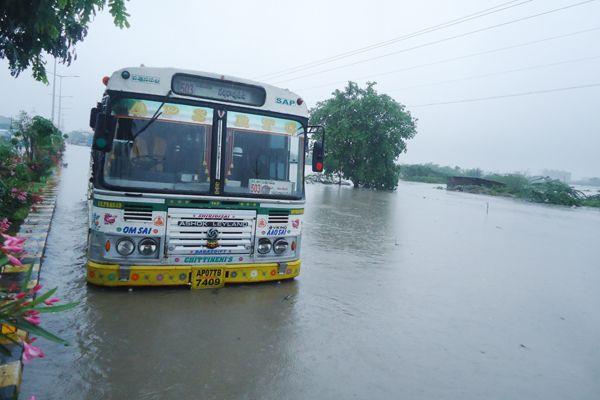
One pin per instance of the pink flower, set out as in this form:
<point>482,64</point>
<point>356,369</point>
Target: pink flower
<point>12,248</point>
<point>12,240</point>
<point>20,295</point>
<point>14,260</point>
<point>51,301</point>
<point>36,288</point>
<point>4,225</point>
<point>30,351</point>
<point>32,313</point>
<point>32,398</point>
<point>20,195</point>
<point>34,320</point>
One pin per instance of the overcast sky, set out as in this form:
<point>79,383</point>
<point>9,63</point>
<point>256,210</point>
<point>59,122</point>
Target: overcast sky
<point>559,130</point>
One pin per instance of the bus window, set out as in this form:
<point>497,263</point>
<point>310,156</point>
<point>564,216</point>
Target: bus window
<point>262,155</point>
<point>170,154</point>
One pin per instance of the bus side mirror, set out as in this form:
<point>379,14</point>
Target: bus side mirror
<point>318,156</point>
<point>93,116</point>
<point>103,137</point>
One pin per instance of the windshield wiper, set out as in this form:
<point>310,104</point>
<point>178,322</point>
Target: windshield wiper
<point>157,114</point>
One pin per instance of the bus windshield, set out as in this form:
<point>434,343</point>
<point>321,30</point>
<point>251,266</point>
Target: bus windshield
<point>172,154</point>
<point>264,155</point>
<point>261,155</point>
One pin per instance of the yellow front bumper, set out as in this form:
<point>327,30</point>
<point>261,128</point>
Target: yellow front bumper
<point>172,275</point>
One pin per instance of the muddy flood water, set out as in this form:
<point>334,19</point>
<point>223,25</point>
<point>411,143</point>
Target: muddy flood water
<point>415,294</point>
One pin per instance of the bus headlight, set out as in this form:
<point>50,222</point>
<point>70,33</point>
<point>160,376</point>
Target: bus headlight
<point>280,246</point>
<point>147,246</point>
<point>125,246</point>
<point>264,246</point>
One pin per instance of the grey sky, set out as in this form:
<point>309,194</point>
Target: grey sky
<point>249,39</point>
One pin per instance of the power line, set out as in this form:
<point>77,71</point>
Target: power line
<point>470,55</point>
<point>475,99</point>
<point>438,41</point>
<point>388,42</point>
<point>509,71</point>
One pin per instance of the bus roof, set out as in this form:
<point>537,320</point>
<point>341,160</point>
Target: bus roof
<point>157,81</point>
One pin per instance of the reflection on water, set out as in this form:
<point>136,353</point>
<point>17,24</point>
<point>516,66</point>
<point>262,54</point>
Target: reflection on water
<point>417,293</point>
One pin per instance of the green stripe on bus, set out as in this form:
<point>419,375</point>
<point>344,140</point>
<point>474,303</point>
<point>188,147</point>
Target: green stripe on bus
<point>226,205</point>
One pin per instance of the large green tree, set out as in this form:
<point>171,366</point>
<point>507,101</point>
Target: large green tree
<point>365,134</point>
<point>30,28</point>
<point>38,139</point>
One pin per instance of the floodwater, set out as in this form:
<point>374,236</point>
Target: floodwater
<point>416,294</point>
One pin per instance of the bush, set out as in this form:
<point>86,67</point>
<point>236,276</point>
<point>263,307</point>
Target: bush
<point>433,173</point>
<point>512,182</point>
<point>553,191</point>
<point>26,160</point>
<point>592,201</point>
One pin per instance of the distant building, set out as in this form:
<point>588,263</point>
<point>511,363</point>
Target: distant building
<point>563,176</point>
<point>81,138</point>
<point>588,182</point>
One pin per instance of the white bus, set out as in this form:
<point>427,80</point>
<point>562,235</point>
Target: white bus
<point>196,179</point>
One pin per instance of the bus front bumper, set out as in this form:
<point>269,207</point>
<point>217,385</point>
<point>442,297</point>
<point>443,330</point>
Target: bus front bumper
<point>177,275</point>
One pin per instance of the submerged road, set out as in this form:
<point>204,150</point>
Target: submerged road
<point>416,294</point>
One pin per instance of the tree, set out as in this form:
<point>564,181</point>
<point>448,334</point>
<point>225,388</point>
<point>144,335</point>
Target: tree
<point>365,134</point>
<point>30,27</point>
<point>39,140</point>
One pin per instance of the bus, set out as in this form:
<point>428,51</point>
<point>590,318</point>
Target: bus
<point>196,179</point>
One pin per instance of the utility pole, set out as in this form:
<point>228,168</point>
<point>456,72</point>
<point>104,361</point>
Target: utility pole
<point>60,96</point>
<point>53,90</point>
<point>61,108</point>
<point>62,118</point>
<point>59,102</point>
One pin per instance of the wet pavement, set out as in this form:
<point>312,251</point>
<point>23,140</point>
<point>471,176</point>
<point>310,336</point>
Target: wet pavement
<point>417,294</point>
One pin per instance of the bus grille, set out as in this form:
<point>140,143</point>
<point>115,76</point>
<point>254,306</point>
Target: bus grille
<point>278,217</point>
<point>137,213</point>
<point>187,231</point>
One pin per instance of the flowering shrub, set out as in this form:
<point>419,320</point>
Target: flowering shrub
<point>4,225</point>
<point>21,308</point>
<point>25,162</point>
<point>20,195</point>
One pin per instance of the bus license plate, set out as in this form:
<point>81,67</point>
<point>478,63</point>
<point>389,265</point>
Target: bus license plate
<point>208,277</point>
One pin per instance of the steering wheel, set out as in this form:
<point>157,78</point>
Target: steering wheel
<point>146,161</point>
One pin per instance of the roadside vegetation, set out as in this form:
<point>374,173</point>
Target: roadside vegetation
<point>29,152</point>
<point>534,189</point>
<point>433,173</point>
<point>27,160</point>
